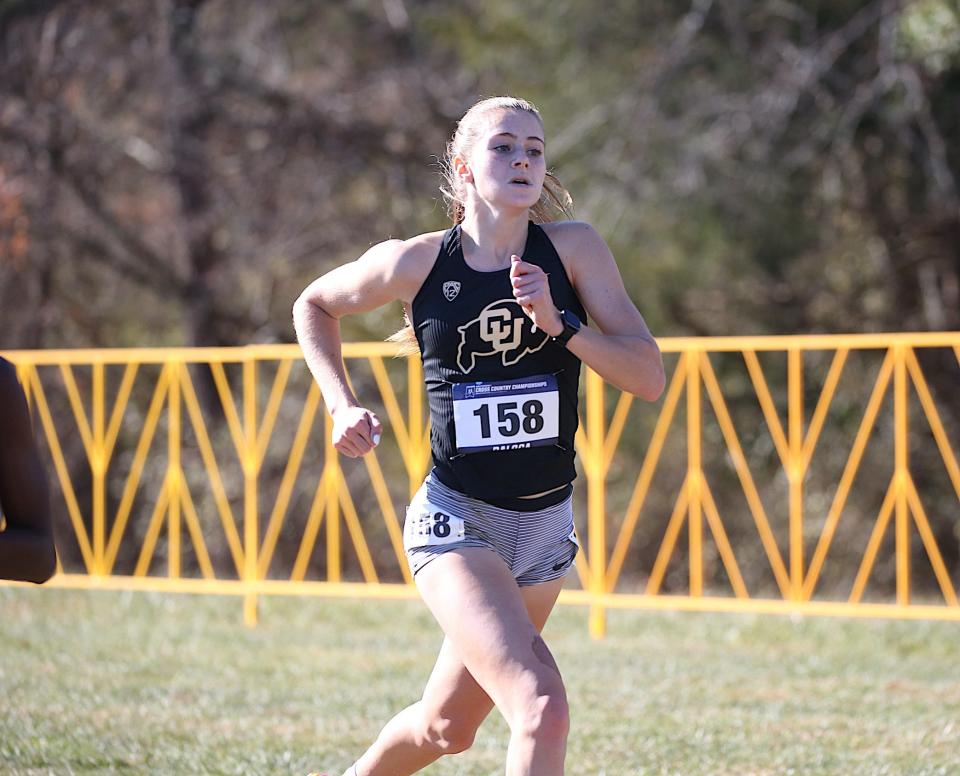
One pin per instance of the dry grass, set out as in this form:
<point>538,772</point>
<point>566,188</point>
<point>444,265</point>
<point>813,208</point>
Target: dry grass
<point>134,683</point>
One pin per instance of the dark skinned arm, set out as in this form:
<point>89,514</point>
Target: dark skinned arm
<point>27,551</point>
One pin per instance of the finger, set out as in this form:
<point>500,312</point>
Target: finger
<point>360,433</point>
<point>520,268</point>
<point>352,444</point>
<point>529,303</point>
<point>363,441</point>
<point>536,292</point>
<point>344,447</point>
<point>527,283</point>
<point>376,428</point>
<point>524,302</point>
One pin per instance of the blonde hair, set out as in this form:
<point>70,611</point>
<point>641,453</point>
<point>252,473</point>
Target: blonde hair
<point>555,202</point>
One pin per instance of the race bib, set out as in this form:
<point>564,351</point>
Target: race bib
<point>507,414</point>
<point>428,525</point>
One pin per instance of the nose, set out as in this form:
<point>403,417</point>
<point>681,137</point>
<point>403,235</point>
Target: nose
<point>521,161</point>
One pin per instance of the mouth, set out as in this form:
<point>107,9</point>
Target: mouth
<point>520,182</point>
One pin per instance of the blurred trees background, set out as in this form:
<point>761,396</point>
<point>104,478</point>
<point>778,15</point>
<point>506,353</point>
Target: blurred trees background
<point>175,171</point>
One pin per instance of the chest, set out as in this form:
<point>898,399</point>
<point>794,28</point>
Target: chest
<point>474,325</point>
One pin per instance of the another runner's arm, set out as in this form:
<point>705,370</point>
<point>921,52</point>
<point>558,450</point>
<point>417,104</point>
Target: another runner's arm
<point>620,348</point>
<point>26,546</point>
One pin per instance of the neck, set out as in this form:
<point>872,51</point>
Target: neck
<point>489,239</point>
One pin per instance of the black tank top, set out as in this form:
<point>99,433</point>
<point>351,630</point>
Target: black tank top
<point>502,394</point>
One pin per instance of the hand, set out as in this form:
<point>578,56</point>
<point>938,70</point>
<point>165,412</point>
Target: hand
<point>531,289</point>
<point>356,431</point>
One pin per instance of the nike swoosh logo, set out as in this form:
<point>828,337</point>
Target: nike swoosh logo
<point>563,563</point>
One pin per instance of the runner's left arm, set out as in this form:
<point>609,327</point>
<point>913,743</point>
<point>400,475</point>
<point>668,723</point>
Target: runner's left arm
<point>620,347</point>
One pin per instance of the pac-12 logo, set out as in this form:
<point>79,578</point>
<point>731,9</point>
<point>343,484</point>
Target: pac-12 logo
<point>498,330</point>
<point>450,289</point>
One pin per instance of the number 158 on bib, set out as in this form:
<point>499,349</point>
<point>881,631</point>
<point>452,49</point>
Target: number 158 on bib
<point>506,415</point>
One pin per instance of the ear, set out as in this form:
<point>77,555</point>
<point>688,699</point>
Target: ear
<point>462,170</point>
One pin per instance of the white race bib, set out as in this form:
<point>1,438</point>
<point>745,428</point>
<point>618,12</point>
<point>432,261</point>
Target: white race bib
<point>506,414</point>
<point>427,525</point>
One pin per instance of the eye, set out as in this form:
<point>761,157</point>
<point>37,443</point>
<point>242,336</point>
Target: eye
<point>502,147</point>
<point>535,152</point>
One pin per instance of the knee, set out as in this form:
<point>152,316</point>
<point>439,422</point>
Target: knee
<point>450,736</point>
<point>546,717</point>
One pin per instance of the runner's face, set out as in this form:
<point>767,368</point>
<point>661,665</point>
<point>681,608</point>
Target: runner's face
<point>507,163</point>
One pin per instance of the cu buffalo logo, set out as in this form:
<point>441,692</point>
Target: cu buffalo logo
<point>498,331</point>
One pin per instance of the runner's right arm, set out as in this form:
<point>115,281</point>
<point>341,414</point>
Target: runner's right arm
<point>391,270</point>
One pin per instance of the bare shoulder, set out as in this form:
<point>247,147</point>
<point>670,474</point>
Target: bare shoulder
<point>572,233</point>
<point>388,271</point>
<point>596,278</point>
<point>421,250</point>
<point>578,243</point>
<point>406,263</point>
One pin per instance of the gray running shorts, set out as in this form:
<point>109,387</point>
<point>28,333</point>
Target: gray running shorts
<point>536,546</point>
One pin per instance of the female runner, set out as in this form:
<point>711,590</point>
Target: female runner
<point>498,305</point>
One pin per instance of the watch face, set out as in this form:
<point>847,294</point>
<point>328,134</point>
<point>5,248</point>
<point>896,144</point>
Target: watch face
<point>570,320</point>
<point>571,325</point>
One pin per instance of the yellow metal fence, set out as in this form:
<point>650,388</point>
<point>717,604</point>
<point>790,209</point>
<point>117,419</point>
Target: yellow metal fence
<point>766,478</point>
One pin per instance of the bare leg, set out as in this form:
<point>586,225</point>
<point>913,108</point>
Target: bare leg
<point>453,706</point>
<point>479,606</point>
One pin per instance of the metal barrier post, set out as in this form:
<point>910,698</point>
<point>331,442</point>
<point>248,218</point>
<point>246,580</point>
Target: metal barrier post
<point>174,472</point>
<point>251,530</point>
<point>694,473</point>
<point>331,481</point>
<point>596,504</point>
<point>98,466</point>
<point>901,474</point>
<point>795,469</point>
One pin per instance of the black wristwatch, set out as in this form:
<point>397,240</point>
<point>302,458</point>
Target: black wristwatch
<point>571,325</point>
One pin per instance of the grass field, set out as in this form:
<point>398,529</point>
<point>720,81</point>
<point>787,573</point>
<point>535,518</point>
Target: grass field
<point>131,683</point>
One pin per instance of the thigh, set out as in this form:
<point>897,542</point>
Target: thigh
<point>452,693</point>
<point>484,615</point>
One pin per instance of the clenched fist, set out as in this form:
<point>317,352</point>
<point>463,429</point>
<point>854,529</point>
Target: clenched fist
<point>531,289</point>
<point>356,431</point>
